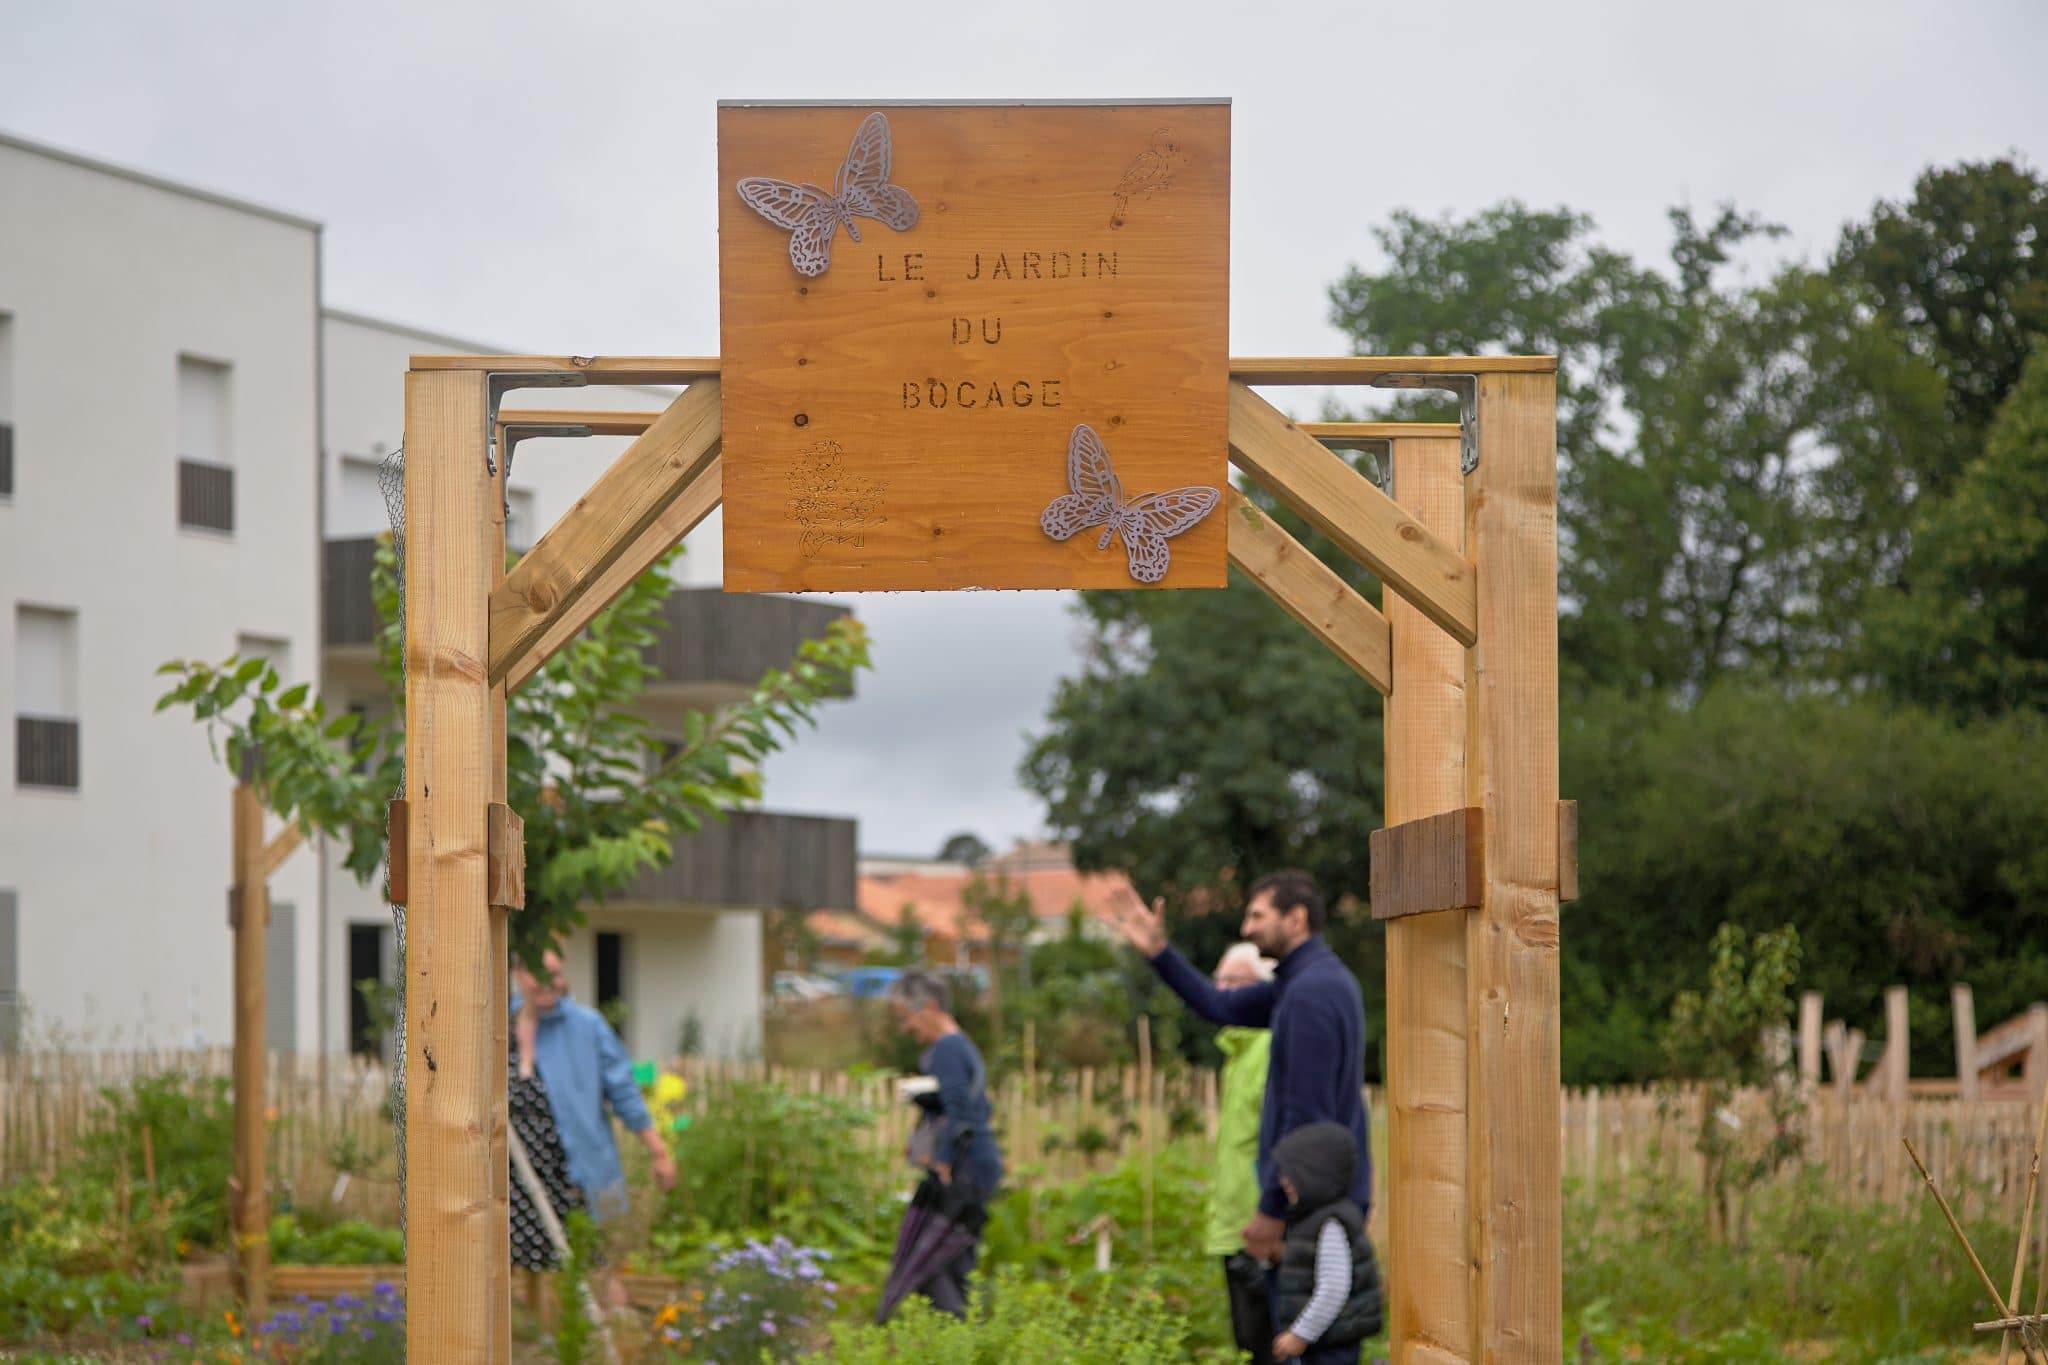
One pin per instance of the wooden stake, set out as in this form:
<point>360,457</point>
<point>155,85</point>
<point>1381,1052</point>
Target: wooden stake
<point>251,923</point>
<point>457,1305</point>
<point>1964,1005</point>
<point>1896,1058</point>
<point>1511,948</point>
<point>1810,1008</point>
<point>2028,1342</point>
<point>2019,1254</point>
<point>1429,1319</point>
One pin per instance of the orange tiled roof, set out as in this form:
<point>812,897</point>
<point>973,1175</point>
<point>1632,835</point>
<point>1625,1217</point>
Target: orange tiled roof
<point>1042,871</point>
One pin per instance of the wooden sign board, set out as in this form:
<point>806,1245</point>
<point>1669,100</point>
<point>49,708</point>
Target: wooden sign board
<point>1030,283</point>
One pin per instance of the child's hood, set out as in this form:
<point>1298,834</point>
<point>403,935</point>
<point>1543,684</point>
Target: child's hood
<point>1320,1159</point>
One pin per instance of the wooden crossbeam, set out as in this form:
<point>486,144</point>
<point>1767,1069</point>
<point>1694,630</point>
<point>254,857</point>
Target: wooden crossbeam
<point>1274,370</point>
<point>1434,863</point>
<point>603,525</point>
<point>278,849</point>
<point>1344,505</point>
<point>1310,591</point>
<point>602,422</point>
<point>1341,433</point>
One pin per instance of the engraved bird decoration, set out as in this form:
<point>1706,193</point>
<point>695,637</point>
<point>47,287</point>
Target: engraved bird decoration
<point>1149,172</point>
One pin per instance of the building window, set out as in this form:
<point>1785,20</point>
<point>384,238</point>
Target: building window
<point>370,999</point>
<point>46,698</point>
<point>6,406</point>
<point>275,652</point>
<point>206,475</point>
<point>611,979</point>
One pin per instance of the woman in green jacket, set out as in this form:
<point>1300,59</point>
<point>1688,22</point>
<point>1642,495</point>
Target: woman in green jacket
<point>1234,1180</point>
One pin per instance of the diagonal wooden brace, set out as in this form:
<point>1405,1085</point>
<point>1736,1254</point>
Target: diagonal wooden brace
<point>1310,591</point>
<point>627,498</point>
<point>1343,504</point>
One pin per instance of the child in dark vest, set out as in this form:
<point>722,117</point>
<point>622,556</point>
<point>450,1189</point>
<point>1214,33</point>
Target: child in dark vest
<point>1328,1289</point>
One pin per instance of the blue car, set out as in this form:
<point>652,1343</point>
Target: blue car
<point>869,983</point>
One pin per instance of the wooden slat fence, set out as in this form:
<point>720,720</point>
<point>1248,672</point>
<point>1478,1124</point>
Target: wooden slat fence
<point>1055,1127</point>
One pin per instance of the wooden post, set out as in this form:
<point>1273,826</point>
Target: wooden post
<point>249,915</point>
<point>501,973</point>
<point>457,1305</point>
<point>1896,1060</point>
<point>1965,1007</point>
<point>1809,1042</point>
<point>1429,1320</point>
<point>1511,950</point>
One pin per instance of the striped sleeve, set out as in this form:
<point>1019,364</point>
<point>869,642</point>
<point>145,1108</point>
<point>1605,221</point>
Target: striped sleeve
<point>1333,1282</point>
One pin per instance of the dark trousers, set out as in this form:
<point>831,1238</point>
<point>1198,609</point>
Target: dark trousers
<point>1251,1307</point>
<point>1317,1353</point>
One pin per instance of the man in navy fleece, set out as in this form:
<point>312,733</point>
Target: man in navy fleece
<point>1313,1007</point>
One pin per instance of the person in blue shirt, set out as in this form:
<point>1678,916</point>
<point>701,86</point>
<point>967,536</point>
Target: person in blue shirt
<point>1312,1005</point>
<point>586,1072</point>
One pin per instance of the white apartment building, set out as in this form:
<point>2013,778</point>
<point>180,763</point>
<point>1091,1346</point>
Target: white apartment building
<point>230,501</point>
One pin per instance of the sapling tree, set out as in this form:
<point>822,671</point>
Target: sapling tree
<point>1734,1035</point>
<point>602,798</point>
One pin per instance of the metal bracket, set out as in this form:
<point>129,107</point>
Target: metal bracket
<point>500,383</point>
<point>1466,386</point>
<point>1381,448</point>
<point>515,432</point>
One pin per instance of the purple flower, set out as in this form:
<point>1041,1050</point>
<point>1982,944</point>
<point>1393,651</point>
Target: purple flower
<point>143,1321</point>
<point>768,1326</point>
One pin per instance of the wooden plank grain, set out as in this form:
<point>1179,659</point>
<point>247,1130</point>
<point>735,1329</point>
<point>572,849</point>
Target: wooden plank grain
<point>1512,965</point>
<point>1278,371</point>
<point>453,1064</point>
<point>1340,502</point>
<point>1309,590</point>
<point>603,524</point>
<point>1430,863</point>
<point>1429,1305</point>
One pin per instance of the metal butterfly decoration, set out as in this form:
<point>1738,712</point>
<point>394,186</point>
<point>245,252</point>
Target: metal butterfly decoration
<point>1145,523</point>
<point>813,216</point>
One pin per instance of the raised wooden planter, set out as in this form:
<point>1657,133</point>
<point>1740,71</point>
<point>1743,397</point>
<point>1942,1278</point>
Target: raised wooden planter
<point>325,1281</point>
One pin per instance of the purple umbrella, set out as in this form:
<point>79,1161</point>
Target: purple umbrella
<point>941,1223</point>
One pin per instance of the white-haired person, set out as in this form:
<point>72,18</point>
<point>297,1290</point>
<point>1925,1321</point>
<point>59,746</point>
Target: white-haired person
<point>1234,1179</point>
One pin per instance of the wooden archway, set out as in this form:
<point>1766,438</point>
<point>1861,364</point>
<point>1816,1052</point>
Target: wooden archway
<point>1468,874</point>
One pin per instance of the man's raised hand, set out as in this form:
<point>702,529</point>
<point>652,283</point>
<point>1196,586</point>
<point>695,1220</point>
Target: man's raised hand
<point>1144,929</point>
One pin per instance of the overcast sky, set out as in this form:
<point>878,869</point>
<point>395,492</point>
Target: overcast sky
<point>542,175</point>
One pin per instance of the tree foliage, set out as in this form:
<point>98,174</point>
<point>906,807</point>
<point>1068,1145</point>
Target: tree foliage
<point>602,799</point>
<point>1801,616</point>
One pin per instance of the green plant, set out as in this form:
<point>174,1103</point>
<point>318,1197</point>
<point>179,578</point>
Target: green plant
<point>575,1329</point>
<point>350,1242</point>
<point>190,1127</point>
<point>769,1158</point>
<point>1730,1036</point>
<point>1020,1321</point>
<point>760,1301</point>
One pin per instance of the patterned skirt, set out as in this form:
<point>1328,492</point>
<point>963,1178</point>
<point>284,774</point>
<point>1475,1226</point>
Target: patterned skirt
<point>534,1122</point>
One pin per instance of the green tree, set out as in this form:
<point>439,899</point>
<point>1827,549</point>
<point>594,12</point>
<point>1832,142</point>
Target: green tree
<point>602,800</point>
<point>1004,912</point>
<point>1968,628</point>
<point>1729,453</point>
<point>1962,270</point>
<point>965,847</point>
